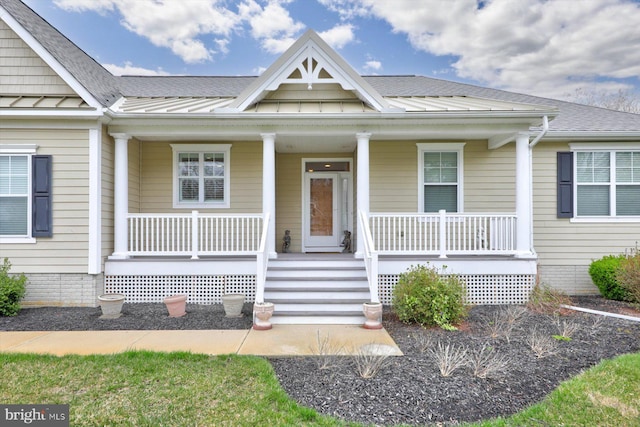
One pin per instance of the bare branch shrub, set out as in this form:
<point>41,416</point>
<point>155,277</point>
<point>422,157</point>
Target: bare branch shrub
<point>503,321</point>
<point>369,364</point>
<point>544,299</point>
<point>596,323</point>
<point>423,341</point>
<point>485,363</point>
<point>326,351</point>
<point>448,358</point>
<point>541,344</point>
<point>566,328</point>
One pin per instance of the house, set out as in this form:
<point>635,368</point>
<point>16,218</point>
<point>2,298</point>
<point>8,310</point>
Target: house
<point>150,186</point>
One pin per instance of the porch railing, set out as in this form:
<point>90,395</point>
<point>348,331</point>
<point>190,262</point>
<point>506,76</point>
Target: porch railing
<point>194,234</point>
<point>443,233</point>
<point>370,257</point>
<point>262,260</point>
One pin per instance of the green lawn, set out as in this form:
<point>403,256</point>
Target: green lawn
<point>183,389</point>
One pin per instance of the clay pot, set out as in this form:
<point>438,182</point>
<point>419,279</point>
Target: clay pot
<point>176,305</point>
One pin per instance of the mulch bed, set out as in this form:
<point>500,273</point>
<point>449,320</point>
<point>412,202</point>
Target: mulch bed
<point>408,389</point>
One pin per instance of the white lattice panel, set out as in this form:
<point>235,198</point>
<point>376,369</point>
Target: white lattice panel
<point>481,289</point>
<point>199,289</point>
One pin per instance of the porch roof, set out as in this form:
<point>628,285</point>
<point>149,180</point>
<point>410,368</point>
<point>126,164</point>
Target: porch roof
<point>204,105</point>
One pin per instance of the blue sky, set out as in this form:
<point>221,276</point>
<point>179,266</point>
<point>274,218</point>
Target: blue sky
<point>546,48</point>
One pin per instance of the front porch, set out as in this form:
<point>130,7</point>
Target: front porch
<point>208,255</point>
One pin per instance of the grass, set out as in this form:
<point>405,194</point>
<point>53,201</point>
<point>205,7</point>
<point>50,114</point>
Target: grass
<point>184,389</point>
<point>606,395</point>
<point>155,389</point>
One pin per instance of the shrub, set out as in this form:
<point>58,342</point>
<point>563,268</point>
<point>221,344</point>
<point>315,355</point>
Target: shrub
<point>544,299</point>
<point>12,289</point>
<point>425,297</point>
<point>603,273</point>
<point>628,274</point>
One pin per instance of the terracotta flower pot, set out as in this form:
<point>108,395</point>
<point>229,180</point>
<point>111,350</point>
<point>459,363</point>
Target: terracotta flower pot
<point>373,312</point>
<point>111,305</point>
<point>232,304</point>
<point>176,305</point>
<point>262,312</point>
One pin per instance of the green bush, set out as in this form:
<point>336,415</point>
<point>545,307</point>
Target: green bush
<point>628,274</point>
<point>603,273</point>
<point>12,289</point>
<point>425,297</point>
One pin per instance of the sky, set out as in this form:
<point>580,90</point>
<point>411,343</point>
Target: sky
<point>549,48</point>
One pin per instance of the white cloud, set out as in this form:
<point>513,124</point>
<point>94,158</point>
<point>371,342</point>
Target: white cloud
<point>533,46</point>
<point>177,25</point>
<point>373,65</point>
<point>338,36</point>
<point>130,70</point>
<point>271,25</point>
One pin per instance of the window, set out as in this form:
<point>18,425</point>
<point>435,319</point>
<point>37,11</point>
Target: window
<point>201,177</point>
<point>25,194</point>
<point>15,195</point>
<point>440,181</point>
<point>607,183</point>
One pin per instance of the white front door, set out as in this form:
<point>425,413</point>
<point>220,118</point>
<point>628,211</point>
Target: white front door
<point>327,204</point>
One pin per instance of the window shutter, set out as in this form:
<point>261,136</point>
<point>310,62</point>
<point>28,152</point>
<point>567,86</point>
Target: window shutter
<point>565,185</point>
<point>42,223</point>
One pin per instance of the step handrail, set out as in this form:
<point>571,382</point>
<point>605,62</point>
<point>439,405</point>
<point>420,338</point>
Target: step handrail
<point>262,260</point>
<point>370,256</point>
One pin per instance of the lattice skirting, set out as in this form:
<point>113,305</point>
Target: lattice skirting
<point>199,289</point>
<point>481,289</point>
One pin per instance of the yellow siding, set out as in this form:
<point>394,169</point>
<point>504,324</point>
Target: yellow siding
<point>107,194</point>
<point>66,251</point>
<point>319,92</point>
<point>489,177</point>
<point>558,241</point>
<point>156,178</point>
<point>22,72</point>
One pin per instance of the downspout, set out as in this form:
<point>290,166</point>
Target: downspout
<point>545,128</point>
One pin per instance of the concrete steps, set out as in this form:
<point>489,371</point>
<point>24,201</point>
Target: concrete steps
<point>317,290</point>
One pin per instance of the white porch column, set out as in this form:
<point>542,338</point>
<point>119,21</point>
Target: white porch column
<point>120,196</point>
<point>523,196</point>
<point>362,177</point>
<point>269,188</point>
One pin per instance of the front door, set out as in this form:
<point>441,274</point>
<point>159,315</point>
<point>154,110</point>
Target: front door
<point>326,207</point>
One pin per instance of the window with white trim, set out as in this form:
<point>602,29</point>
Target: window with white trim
<point>607,183</point>
<point>440,180</point>
<point>201,175</point>
<point>15,197</point>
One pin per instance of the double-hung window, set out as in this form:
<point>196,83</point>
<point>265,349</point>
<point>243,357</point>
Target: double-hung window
<point>201,175</point>
<point>15,206</point>
<point>440,180</point>
<point>607,183</point>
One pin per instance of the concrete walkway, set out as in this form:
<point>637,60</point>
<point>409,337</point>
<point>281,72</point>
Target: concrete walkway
<point>282,340</point>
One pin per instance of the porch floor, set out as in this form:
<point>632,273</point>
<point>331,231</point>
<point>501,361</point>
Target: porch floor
<point>281,340</point>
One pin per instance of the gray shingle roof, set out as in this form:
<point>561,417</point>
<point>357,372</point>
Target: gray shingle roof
<point>91,75</point>
<point>107,88</point>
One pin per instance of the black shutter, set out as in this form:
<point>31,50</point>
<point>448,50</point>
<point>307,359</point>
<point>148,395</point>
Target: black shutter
<point>42,224</point>
<point>565,185</point>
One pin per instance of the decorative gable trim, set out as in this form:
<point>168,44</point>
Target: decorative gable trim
<point>49,59</point>
<point>310,60</point>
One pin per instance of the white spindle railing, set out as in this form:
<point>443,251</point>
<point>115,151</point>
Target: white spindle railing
<point>370,257</point>
<point>262,259</point>
<point>194,234</point>
<point>443,233</point>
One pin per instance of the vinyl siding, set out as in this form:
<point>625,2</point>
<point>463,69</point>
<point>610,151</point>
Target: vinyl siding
<point>488,177</point>
<point>108,150</point>
<point>156,178</point>
<point>299,92</point>
<point>558,241</point>
<point>22,72</point>
<point>67,250</point>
